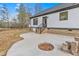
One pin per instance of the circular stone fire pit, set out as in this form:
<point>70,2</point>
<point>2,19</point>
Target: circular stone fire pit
<point>46,46</point>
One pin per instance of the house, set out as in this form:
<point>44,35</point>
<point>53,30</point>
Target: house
<point>63,16</point>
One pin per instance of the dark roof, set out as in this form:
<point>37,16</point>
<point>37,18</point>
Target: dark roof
<point>60,7</point>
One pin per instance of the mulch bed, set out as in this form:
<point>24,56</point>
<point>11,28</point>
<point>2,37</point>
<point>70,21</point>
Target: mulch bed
<point>46,46</point>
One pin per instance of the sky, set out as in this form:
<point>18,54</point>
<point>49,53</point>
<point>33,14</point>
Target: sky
<point>12,7</point>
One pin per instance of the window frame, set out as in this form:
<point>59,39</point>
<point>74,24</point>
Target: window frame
<point>35,21</point>
<point>65,13</point>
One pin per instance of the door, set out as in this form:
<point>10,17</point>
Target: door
<point>44,21</point>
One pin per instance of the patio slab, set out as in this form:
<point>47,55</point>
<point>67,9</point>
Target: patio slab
<point>29,46</point>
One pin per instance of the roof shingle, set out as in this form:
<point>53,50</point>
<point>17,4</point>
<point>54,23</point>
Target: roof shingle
<point>58,7</point>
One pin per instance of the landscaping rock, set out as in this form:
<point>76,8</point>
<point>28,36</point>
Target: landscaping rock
<point>74,48</point>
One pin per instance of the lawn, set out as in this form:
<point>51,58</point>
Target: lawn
<point>9,37</point>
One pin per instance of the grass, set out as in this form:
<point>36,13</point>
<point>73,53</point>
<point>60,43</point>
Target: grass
<point>9,37</point>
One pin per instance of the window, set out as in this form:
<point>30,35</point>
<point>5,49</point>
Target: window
<point>35,21</point>
<point>64,15</point>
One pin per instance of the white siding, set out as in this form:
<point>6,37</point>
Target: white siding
<point>39,22</point>
<point>72,22</point>
<point>54,21</point>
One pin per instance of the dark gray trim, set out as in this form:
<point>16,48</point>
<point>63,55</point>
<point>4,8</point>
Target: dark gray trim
<point>36,27</point>
<point>67,8</point>
<point>64,28</point>
<point>58,28</point>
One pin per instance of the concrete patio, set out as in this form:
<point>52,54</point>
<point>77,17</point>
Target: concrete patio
<point>29,45</point>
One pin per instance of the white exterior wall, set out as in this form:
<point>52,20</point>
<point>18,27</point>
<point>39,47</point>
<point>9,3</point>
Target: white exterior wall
<point>54,21</point>
<point>39,22</point>
<point>72,22</point>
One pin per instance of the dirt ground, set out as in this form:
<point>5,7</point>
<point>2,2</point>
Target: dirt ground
<point>74,33</point>
<point>8,37</point>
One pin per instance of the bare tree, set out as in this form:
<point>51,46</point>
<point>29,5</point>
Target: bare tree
<point>14,23</point>
<point>4,15</point>
<point>22,16</point>
<point>28,8</point>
